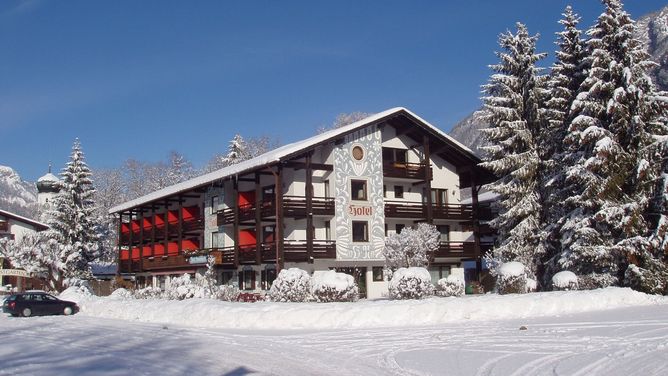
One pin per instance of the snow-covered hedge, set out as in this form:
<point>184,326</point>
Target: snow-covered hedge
<point>410,283</point>
<point>511,278</point>
<point>596,281</point>
<point>148,293</point>
<point>647,280</point>
<point>291,285</point>
<point>452,285</point>
<point>564,281</point>
<point>331,286</point>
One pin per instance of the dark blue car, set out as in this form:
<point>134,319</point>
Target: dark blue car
<point>37,303</point>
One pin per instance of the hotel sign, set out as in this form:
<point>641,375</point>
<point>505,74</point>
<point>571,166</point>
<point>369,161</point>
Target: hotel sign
<point>14,273</point>
<point>360,211</point>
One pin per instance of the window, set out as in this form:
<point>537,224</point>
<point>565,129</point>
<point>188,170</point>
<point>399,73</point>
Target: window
<point>439,197</point>
<point>393,155</point>
<point>247,279</point>
<point>214,239</point>
<point>328,231</point>
<point>358,189</point>
<point>226,277</point>
<point>214,204</point>
<point>398,191</point>
<point>268,192</point>
<point>358,153</point>
<point>438,272</point>
<point>398,227</point>
<point>326,184</point>
<point>360,231</point>
<point>377,273</point>
<point>268,276</point>
<point>268,233</point>
<point>445,232</point>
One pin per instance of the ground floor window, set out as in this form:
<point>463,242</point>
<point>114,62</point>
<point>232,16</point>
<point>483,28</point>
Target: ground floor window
<point>247,279</point>
<point>268,277</point>
<point>439,271</point>
<point>226,277</point>
<point>360,231</point>
<point>377,273</point>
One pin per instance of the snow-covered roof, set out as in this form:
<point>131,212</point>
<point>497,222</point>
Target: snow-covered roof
<point>275,156</point>
<point>48,177</point>
<point>16,217</point>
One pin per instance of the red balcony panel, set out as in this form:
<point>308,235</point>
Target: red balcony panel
<point>247,237</point>
<point>125,254</point>
<point>146,223</point>
<point>189,244</point>
<point>247,198</point>
<point>135,225</point>
<point>159,249</point>
<point>190,212</point>
<point>172,248</point>
<point>125,228</point>
<point>159,220</point>
<point>173,216</point>
<point>135,253</point>
<point>146,251</point>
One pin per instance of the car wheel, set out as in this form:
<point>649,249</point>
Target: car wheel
<point>26,312</point>
<point>67,311</point>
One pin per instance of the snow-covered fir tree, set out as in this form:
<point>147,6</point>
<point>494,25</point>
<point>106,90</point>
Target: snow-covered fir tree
<point>71,219</point>
<point>513,106</point>
<point>237,151</point>
<point>566,76</point>
<point>614,170</point>
<point>179,168</point>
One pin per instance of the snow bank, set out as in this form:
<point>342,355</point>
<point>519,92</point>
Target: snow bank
<point>365,314</point>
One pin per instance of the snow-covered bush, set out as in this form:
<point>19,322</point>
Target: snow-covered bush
<point>148,293</point>
<point>596,281</point>
<point>122,293</point>
<point>331,286</point>
<point>452,285</point>
<point>511,278</point>
<point>646,280</point>
<point>532,285</point>
<point>291,285</point>
<point>226,293</point>
<point>411,247</point>
<point>77,293</point>
<point>564,281</point>
<point>410,283</point>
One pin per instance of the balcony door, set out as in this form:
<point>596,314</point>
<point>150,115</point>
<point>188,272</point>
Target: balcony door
<point>439,196</point>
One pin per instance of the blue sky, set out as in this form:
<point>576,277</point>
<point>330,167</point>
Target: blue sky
<point>136,79</point>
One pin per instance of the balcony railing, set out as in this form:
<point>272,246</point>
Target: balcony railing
<point>149,263</point>
<point>293,251</point>
<point>404,170</point>
<point>190,226</point>
<point>460,249</point>
<point>418,210</point>
<point>293,207</point>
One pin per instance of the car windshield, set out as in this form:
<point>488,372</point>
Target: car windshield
<point>49,297</point>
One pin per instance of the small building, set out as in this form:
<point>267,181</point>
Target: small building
<point>327,202</point>
<point>15,227</point>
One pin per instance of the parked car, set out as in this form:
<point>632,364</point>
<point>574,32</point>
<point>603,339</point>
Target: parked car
<point>37,303</point>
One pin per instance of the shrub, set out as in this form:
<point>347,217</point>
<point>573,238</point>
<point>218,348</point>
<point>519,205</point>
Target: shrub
<point>410,283</point>
<point>226,293</point>
<point>122,293</point>
<point>596,281</point>
<point>331,286</point>
<point>291,285</point>
<point>511,278</point>
<point>148,293</point>
<point>564,281</point>
<point>649,281</point>
<point>450,286</point>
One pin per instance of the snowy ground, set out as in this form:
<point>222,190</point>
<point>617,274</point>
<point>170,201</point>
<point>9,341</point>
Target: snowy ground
<point>631,338</point>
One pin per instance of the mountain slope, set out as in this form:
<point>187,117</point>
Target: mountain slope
<point>16,195</point>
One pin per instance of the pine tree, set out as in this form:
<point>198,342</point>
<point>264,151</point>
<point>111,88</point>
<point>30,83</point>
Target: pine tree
<point>237,151</point>
<point>513,107</point>
<point>612,177</point>
<point>566,76</point>
<point>71,221</point>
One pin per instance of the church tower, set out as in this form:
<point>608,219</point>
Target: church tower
<point>47,187</point>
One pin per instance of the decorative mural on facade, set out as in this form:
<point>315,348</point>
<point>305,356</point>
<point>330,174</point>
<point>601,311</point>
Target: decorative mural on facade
<point>359,158</point>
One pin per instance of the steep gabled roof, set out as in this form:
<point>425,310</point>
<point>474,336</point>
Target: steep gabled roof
<point>289,151</point>
<point>38,225</point>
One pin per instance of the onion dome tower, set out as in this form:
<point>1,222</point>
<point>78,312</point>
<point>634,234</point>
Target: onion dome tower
<point>47,187</point>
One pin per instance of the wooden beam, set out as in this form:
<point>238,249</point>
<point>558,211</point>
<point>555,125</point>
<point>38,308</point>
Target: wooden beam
<point>120,235</point>
<point>141,241</point>
<point>166,240</point>
<point>314,166</point>
<point>309,209</point>
<point>235,197</point>
<point>278,191</point>
<point>258,220</point>
<point>476,227</point>
<point>179,246</point>
<point>428,177</point>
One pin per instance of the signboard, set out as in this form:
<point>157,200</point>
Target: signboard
<point>197,260</point>
<point>360,211</point>
<point>14,273</point>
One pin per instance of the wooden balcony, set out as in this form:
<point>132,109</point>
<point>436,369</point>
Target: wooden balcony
<point>293,207</point>
<point>460,249</point>
<point>293,251</point>
<point>405,170</point>
<point>190,226</point>
<point>157,263</point>
<point>416,210</point>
